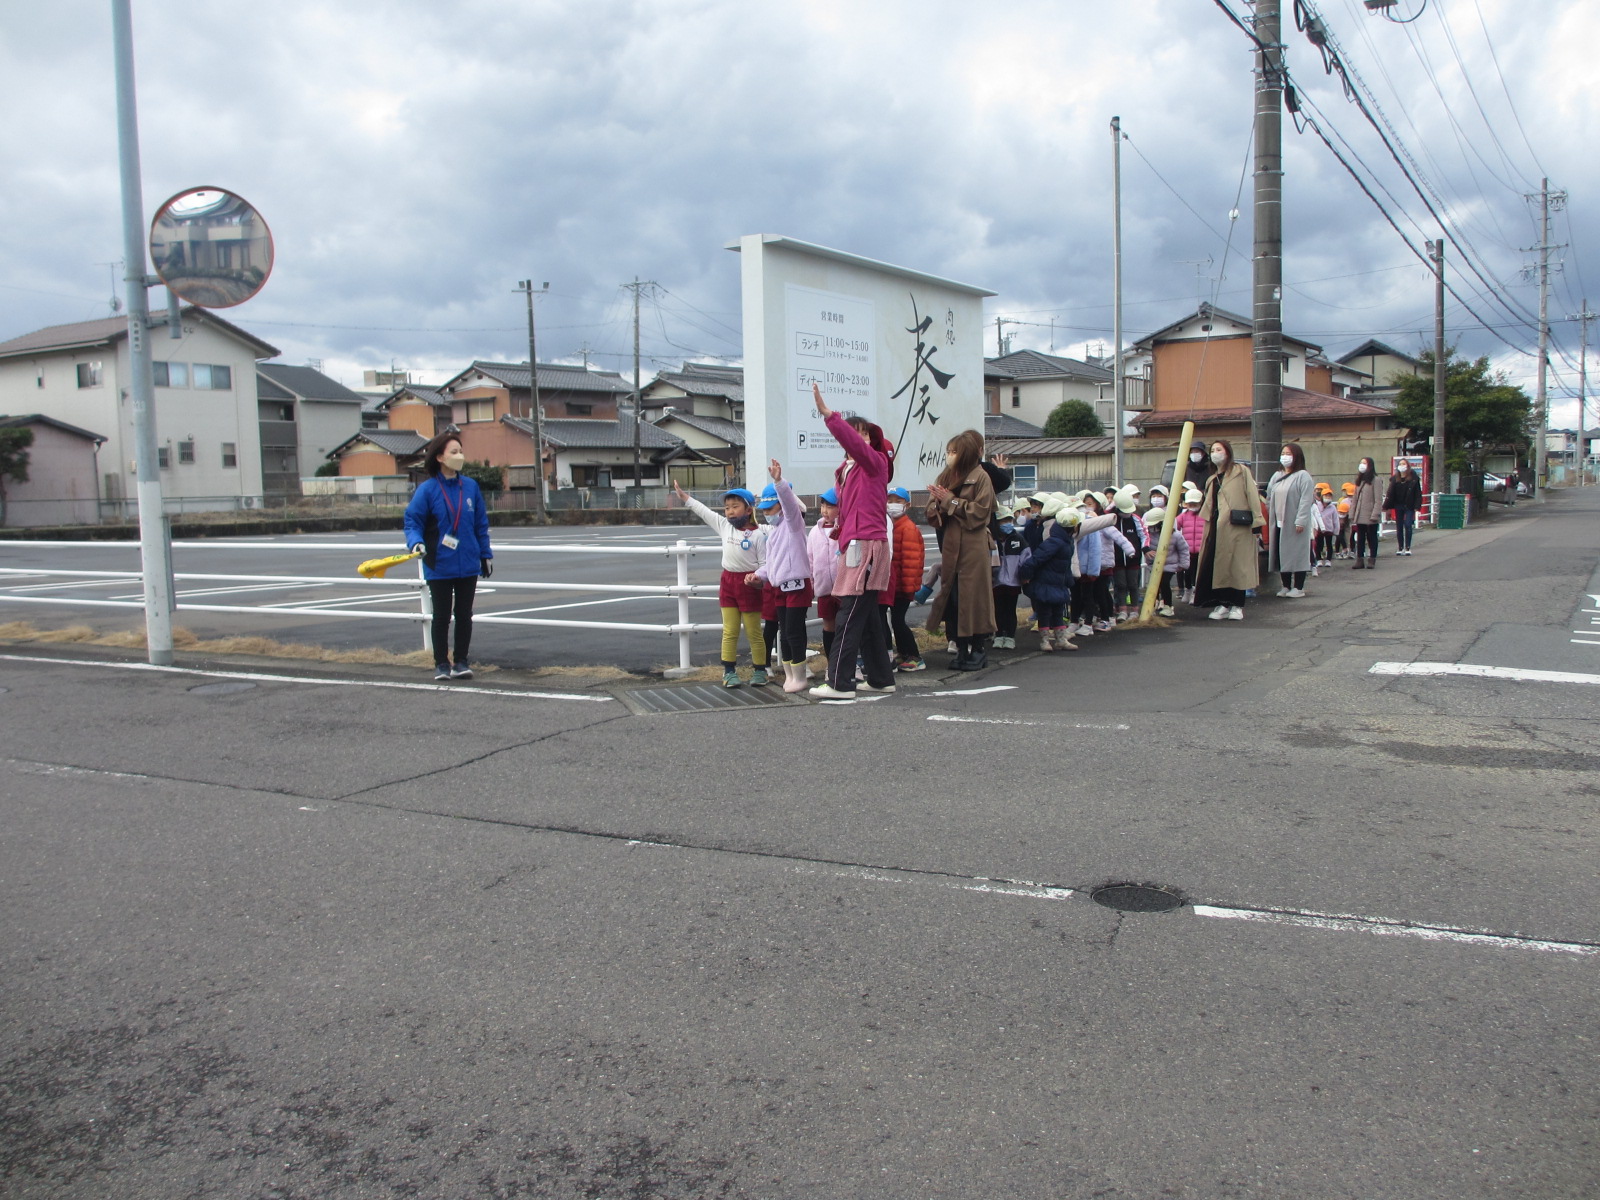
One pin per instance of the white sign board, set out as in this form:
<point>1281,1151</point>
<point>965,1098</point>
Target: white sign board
<point>898,347</point>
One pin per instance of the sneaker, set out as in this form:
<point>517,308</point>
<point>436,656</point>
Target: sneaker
<point>1103,626</point>
<point>758,677</point>
<point>1085,630</point>
<point>1316,569</point>
<point>1217,613</point>
<point>441,671</point>
<point>1282,592</point>
<point>461,671</point>
<point>1236,613</point>
<point>886,690</point>
<point>1166,610</point>
<point>730,679</point>
<point>911,664</point>
<point>823,692</point>
<point>951,648</point>
<point>1297,593</point>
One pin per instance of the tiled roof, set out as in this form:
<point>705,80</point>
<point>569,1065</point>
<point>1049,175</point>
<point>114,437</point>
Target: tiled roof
<point>402,443</point>
<point>553,377</point>
<point>308,383</point>
<point>432,396</point>
<point>697,380</point>
<point>1374,346</point>
<point>1004,425</point>
<point>41,419</point>
<point>598,435</point>
<point>1049,447</point>
<point>1031,364</point>
<point>1212,311</point>
<point>105,330</point>
<point>1298,405</point>
<point>729,431</point>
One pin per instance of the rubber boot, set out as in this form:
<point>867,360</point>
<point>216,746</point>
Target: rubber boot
<point>794,677</point>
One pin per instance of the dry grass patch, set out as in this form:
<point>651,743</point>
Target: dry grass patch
<point>184,639</point>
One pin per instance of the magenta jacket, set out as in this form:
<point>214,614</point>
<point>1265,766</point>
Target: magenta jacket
<point>864,490</point>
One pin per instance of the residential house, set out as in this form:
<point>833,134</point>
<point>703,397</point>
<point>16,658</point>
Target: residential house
<point>703,403</point>
<point>1058,464</point>
<point>1030,384</point>
<point>599,454</point>
<point>63,483</point>
<point>1381,367</point>
<point>423,410</point>
<point>379,452</point>
<point>208,425</point>
<point>324,413</point>
<point>1201,368</point>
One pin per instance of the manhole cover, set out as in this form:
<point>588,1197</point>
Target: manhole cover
<point>1136,897</point>
<point>703,697</point>
<point>222,689</point>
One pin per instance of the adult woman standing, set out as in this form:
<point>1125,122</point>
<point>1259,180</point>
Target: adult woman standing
<point>863,569</point>
<point>1404,496</point>
<point>1366,512</point>
<point>962,503</point>
<point>1291,493</point>
<point>448,523</point>
<point>1229,566</point>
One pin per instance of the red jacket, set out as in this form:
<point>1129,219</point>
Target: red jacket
<point>905,571</point>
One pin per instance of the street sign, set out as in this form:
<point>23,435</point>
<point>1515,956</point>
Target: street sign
<point>211,248</point>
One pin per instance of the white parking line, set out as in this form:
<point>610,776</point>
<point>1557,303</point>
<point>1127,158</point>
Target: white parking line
<point>1518,674</point>
<point>1019,721</point>
<point>460,689</point>
<point>1385,927</point>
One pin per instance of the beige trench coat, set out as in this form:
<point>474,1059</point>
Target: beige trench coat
<point>1237,562</point>
<point>965,556</point>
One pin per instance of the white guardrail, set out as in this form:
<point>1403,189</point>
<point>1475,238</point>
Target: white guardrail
<point>683,628</point>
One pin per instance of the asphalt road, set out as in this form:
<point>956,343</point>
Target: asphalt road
<point>307,940</point>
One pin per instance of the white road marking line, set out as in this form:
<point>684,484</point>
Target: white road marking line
<point>459,689</point>
<point>1519,674</point>
<point>999,687</point>
<point>972,883</point>
<point>1018,721</point>
<point>1384,927</point>
<point>38,768</point>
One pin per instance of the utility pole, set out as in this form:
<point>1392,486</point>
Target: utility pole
<point>1583,318</point>
<point>155,535</point>
<point>1117,399</point>
<point>1000,339</point>
<point>1440,370</point>
<point>1547,198</point>
<point>1266,399</point>
<point>535,408</point>
<point>636,287</point>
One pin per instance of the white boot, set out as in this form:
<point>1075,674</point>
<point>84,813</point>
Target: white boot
<point>794,677</point>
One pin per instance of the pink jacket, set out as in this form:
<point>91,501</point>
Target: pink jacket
<point>824,554</point>
<point>1193,527</point>
<point>863,490</point>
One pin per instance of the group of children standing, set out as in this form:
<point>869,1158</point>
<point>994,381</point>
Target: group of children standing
<point>773,568</point>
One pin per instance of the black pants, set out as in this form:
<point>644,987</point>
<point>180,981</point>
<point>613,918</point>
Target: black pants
<point>905,641</point>
<point>791,634</point>
<point>1293,579</point>
<point>1102,598</point>
<point>1367,541</point>
<point>860,631</point>
<point>452,597</point>
<point>1164,588</point>
<point>1324,549</point>
<point>1083,598</point>
<point>1005,610</point>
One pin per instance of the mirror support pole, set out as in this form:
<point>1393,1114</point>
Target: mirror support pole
<point>155,535</point>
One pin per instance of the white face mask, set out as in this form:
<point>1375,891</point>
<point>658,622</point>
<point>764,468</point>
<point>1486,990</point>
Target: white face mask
<point>1218,458</point>
<point>1196,456</point>
<point>1158,501</point>
<point>1287,460</point>
<point>774,516</point>
<point>897,510</point>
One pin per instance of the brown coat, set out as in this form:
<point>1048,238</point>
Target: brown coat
<point>965,556</point>
<point>1236,563</point>
<point>1366,506</point>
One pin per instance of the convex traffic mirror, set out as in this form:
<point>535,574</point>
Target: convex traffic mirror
<point>211,248</point>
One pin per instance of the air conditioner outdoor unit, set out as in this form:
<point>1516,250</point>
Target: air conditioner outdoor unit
<point>248,501</point>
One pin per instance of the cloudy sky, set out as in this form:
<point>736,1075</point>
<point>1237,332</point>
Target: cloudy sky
<point>416,159</point>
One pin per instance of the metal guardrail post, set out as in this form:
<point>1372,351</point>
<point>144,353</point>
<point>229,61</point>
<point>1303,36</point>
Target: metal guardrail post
<point>680,552</point>
<point>427,608</point>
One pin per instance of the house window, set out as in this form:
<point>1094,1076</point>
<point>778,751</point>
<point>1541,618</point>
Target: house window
<point>213,377</point>
<point>1024,478</point>
<point>230,454</point>
<point>480,410</point>
<point>186,452</point>
<point>163,457</point>
<point>1016,397</point>
<point>38,380</point>
<point>89,375</point>
<point>171,374</point>
<point>579,410</point>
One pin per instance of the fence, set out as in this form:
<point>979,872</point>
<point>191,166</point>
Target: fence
<point>682,590</point>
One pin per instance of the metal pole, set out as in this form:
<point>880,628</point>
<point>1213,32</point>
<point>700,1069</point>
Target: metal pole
<point>1441,369</point>
<point>155,538</point>
<point>685,636</point>
<point>1584,318</point>
<point>638,478</point>
<point>1541,402</point>
<point>1266,400</point>
<point>526,286</point>
<point>1117,399</point>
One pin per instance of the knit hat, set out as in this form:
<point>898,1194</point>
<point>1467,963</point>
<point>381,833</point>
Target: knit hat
<point>769,497</point>
<point>1155,518</point>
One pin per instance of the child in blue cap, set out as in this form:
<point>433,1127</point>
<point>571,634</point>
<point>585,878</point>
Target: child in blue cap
<point>744,550</point>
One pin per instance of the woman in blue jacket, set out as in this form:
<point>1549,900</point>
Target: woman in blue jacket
<point>448,522</point>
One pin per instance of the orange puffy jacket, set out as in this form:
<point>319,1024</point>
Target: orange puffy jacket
<point>905,571</point>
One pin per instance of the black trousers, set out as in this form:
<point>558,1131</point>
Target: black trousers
<point>452,598</point>
<point>1005,610</point>
<point>1293,579</point>
<point>905,641</point>
<point>1367,541</point>
<point>860,630</point>
<point>791,631</point>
